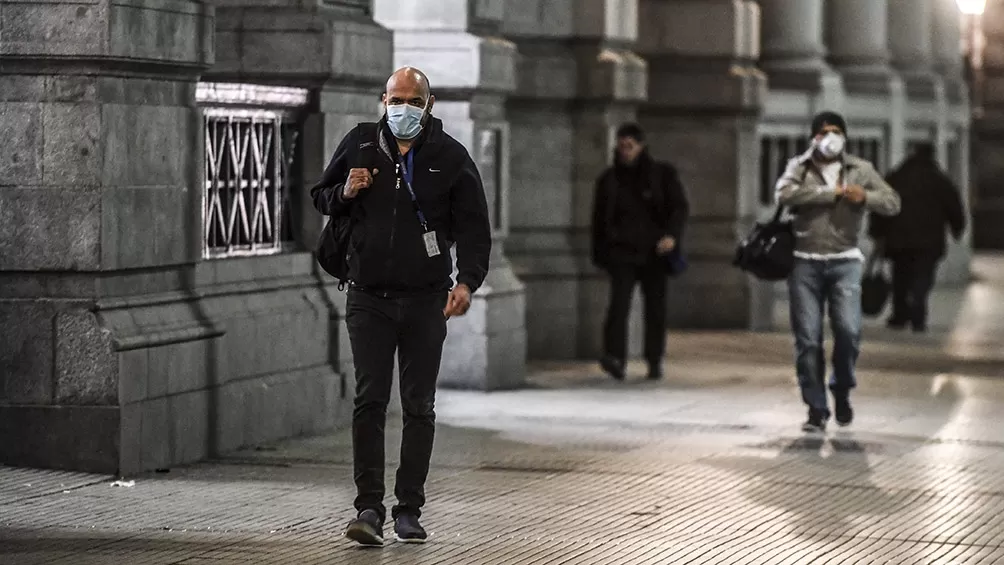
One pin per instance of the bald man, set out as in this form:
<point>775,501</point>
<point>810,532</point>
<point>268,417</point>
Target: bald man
<point>412,192</point>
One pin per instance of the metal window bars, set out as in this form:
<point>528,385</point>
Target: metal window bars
<point>251,167</point>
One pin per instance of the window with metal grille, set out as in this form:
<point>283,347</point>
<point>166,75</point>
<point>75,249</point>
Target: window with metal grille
<point>775,152</point>
<point>252,166</point>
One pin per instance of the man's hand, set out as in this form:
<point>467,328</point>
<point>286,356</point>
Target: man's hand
<point>665,246</point>
<point>855,194</point>
<point>459,301</point>
<point>357,181</point>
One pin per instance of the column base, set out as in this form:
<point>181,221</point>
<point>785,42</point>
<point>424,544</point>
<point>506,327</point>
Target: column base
<point>241,357</point>
<point>486,349</point>
<point>805,77</point>
<point>866,79</point>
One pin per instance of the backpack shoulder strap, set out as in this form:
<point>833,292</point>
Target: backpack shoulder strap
<point>369,145</point>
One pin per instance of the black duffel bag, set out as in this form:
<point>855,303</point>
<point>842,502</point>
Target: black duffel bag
<point>333,248</point>
<point>874,285</point>
<point>768,252</point>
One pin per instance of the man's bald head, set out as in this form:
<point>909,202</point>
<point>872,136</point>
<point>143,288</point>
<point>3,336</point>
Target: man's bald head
<point>408,86</point>
<point>411,79</point>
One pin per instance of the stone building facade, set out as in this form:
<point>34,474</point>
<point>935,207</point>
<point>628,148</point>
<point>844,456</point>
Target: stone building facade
<point>160,301</point>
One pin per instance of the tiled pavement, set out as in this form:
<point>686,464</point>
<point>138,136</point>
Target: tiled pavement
<point>707,467</point>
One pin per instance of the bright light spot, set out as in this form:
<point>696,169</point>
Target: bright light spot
<point>972,7</point>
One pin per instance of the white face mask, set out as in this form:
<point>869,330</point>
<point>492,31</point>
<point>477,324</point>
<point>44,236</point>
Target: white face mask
<point>831,146</point>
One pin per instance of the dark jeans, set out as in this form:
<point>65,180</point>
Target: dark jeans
<point>812,287</point>
<point>912,280</point>
<point>623,278</point>
<point>415,328</point>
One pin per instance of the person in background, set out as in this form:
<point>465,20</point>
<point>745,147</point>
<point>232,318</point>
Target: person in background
<point>639,214</point>
<point>914,240</point>
<point>420,195</point>
<point>828,192</point>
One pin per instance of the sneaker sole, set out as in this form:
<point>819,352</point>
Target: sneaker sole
<point>363,537</point>
<point>809,429</point>
<point>417,541</point>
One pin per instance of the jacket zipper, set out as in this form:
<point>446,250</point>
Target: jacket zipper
<point>393,224</point>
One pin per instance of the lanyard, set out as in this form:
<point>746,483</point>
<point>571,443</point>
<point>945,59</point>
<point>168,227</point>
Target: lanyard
<point>408,172</point>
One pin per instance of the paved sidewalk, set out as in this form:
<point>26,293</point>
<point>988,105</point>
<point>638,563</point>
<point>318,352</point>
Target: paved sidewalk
<point>705,467</point>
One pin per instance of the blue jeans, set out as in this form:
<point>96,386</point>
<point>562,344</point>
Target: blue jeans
<point>812,286</point>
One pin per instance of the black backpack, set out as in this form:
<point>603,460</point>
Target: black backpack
<point>768,252</point>
<point>333,244</point>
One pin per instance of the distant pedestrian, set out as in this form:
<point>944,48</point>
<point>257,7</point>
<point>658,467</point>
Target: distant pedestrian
<point>828,192</point>
<point>412,192</point>
<point>640,211</point>
<point>915,239</point>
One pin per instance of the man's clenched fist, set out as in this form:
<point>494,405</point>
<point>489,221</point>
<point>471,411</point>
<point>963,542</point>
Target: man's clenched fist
<point>357,181</point>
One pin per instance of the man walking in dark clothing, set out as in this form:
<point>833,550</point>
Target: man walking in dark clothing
<point>915,239</point>
<point>639,215</point>
<point>412,191</point>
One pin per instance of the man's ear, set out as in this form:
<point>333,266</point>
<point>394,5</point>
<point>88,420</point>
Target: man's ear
<point>383,98</point>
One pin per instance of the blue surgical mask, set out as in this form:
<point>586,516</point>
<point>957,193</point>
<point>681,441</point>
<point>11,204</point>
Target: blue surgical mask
<point>405,120</point>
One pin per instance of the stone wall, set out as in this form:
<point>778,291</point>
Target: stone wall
<point>127,350</point>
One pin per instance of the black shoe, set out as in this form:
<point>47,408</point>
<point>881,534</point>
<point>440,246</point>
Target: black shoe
<point>843,410</point>
<point>894,324</point>
<point>366,529</point>
<point>816,422</point>
<point>613,367</point>
<point>408,530</point>
<point>654,371</point>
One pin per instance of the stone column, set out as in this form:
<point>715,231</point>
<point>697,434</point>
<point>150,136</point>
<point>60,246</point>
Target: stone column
<point>856,36</point>
<point>457,44</point>
<point>100,199</point>
<point>910,31</point>
<point>792,50</point>
<point>705,95</point>
<point>947,51</point>
<point>988,147</point>
<point>577,81</point>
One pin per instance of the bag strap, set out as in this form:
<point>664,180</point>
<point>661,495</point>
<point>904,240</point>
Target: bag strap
<point>779,211</point>
<point>369,143</point>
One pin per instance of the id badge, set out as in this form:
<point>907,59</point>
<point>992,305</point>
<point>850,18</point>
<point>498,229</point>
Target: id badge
<point>431,244</point>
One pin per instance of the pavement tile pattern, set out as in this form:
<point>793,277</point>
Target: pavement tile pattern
<point>588,474</point>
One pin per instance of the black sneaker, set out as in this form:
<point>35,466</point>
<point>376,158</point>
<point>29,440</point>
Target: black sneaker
<point>366,529</point>
<point>408,530</point>
<point>843,410</point>
<point>613,367</point>
<point>894,324</point>
<point>815,424</point>
<point>654,371</point>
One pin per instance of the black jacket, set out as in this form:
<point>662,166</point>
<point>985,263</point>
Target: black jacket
<point>931,203</point>
<point>634,208</point>
<point>386,248</point>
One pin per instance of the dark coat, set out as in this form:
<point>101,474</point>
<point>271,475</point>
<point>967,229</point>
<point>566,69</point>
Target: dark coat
<point>931,203</point>
<point>386,248</point>
<point>633,209</point>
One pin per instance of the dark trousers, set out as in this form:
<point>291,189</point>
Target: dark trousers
<point>415,329</point>
<point>912,280</point>
<point>623,278</point>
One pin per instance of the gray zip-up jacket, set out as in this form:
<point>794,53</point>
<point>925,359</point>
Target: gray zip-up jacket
<point>825,224</point>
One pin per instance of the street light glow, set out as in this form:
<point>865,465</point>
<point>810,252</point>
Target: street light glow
<point>972,7</point>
